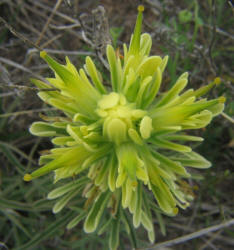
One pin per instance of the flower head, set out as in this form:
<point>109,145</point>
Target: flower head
<point>122,142</point>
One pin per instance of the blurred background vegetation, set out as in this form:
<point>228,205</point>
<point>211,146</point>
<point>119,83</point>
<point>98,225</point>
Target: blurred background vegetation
<point>198,37</point>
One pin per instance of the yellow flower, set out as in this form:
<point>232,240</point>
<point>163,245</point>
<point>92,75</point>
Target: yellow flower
<point>121,141</point>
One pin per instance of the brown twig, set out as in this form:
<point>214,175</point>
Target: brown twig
<point>45,27</point>
<point>48,21</point>
<point>209,241</point>
<point>24,112</point>
<point>65,52</point>
<point>25,88</point>
<point>21,37</point>
<point>47,8</point>
<point>20,67</point>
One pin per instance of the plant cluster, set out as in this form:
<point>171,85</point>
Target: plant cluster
<point>121,144</point>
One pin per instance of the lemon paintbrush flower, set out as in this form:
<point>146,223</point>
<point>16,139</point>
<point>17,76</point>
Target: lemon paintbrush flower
<point>121,142</point>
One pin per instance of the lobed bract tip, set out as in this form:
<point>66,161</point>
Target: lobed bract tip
<point>217,80</point>
<point>175,210</point>
<point>222,99</point>
<point>141,8</point>
<point>43,54</point>
<point>27,177</point>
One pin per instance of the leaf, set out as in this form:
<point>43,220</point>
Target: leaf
<point>132,234</point>
<point>181,137</point>
<point>66,188</point>
<point>161,143</point>
<point>193,160</point>
<point>95,213</point>
<point>114,234</point>
<point>59,205</point>
<point>147,223</point>
<point>46,129</point>
<point>51,230</point>
<point>145,44</point>
<point>12,159</point>
<point>76,220</point>
<point>175,90</point>
<point>154,88</point>
<point>161,222</point>
<point>34,207</point>
<point>169,163</point>
<point>92,71</point>
<point>105,226</point>
<point>149,66</point>
<point>113,67</point>
<point>11,215</point>
<point>138,209</point>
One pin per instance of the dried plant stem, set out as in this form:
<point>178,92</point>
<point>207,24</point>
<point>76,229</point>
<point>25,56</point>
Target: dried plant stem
<point>7,94</point>
<point>21,37</point>
<point>19,66</point>
<point>45,27</point>
<point>24,88</point>
<point>48,21</point>
<point>23,112</point>
<point>47,8</point>
<point>229,118</point>
<point>209,241</point>
<point>191,236</point>
<point>64,52</point>
<point>45,44</point>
